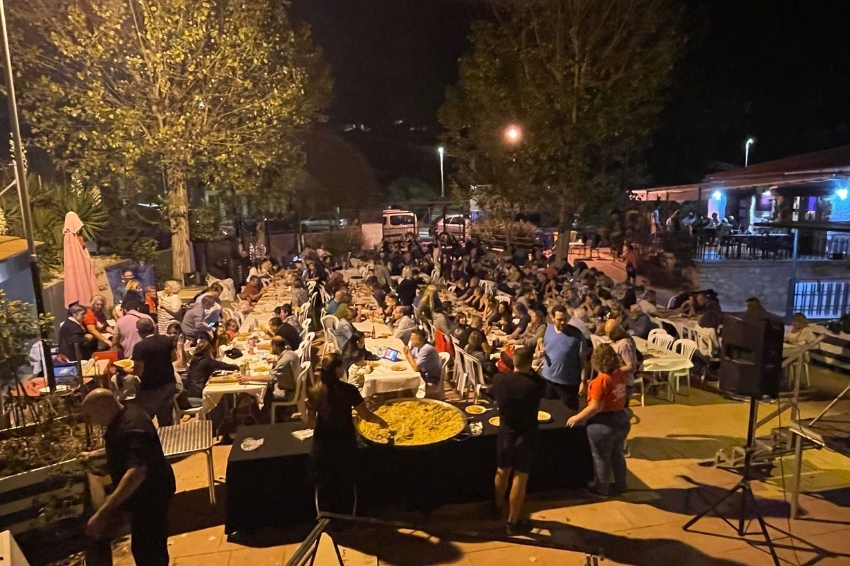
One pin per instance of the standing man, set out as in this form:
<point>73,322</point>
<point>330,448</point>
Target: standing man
<point>144,479</point>
<point>518,396</point>
<point>126,331</point>
<point>563,366</point>
<point>152,363</point>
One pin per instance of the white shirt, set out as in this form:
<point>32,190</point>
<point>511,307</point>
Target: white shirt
<point>647,307</point>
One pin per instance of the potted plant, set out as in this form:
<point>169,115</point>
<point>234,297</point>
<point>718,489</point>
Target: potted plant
<point>41,482</point>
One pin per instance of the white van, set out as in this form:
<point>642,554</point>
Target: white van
<point>398,224</point>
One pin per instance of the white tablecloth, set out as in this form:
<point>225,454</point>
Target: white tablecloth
<point>658,359</point>
<point>383,379</point>
<point>214,393</point>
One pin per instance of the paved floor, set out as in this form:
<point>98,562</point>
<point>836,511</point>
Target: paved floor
<point>669,482</point>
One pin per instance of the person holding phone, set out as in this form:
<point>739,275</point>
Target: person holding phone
<point>423,357</point>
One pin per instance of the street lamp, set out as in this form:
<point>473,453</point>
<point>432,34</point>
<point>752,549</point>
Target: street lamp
<point>442,152</point>
<point>750,142</point>
<point>513,134</point>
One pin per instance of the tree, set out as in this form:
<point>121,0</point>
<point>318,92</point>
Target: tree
<point>582,80</point>
<point>181,93</point>
<point>409,190</point>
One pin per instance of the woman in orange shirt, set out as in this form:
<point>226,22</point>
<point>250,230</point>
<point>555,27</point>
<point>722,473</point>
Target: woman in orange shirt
<point>607,422</point>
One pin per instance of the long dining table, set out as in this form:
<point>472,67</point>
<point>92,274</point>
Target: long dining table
<point>386,376</point>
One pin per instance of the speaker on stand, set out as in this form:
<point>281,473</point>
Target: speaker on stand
<point>750,366</point>
<point>751,355</point>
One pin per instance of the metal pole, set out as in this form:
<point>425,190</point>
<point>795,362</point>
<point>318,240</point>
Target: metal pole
<point>442,175</point>
<point>24,197</point>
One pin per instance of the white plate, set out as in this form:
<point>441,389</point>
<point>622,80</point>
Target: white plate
<point>59,389</point>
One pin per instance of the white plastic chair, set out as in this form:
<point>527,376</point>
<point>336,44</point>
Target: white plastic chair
<point>305,329</point>
<point>476,375</point>
<point>304,351</point>
<point>300,396</point>
<point>459,368</point>
<point>329,324</point>
<point>661,339</point>
<point>437,390</point>
<point>685,348</point>
<point>706,339</point>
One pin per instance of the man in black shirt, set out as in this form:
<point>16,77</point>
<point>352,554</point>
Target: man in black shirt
<point>143,478</point>
<point>518,396</point>
<point>152,363</point>
<point>285,331</point>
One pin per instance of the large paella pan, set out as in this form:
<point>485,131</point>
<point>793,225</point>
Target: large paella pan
<point>414,423</point>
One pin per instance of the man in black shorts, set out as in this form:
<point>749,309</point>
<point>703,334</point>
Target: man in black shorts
<point>518,396</point>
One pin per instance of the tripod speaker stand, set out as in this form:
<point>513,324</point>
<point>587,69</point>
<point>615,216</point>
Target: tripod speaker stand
<point>747,497</point>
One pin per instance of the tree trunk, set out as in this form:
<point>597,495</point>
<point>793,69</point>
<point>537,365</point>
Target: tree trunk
<point>178,212</point>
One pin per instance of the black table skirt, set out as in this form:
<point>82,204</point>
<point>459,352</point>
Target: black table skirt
<point>270,487</point>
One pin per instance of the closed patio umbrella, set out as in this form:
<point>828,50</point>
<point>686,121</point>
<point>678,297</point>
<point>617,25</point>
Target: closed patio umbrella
<point>80,283</point>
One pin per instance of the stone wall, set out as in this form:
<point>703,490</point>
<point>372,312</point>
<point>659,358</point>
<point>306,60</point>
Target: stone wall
<point>735,281</point>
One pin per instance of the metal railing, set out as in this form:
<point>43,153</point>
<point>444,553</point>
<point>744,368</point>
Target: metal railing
<point>819,299</point>
<point>709,246</point>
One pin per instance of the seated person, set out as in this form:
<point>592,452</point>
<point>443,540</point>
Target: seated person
<point>378,292</point>
<point>334,303</point>
<point>231,328</point>
<point>287,316</point>
<point>345,310</point>
<point>356,348</point>
<point>709,311</point>
<point>193,324</point>
<point>648,305</point>
<point>799,334</point>
<point>285,331</point>
<point>520,312</point>
<point>253,290</point>
<point>201,367</point>
<point>503,319</point>
<point>403,323</point>
<point>535,331</point>
<point>285,372</point>
<point>96,325</point>
<point>638,323</point>
<point>475,347</point>
<point>391,301</point>
<point>423,358</point>
<point>358,369</point>
<point>73,332</point>
<point>343,333</point>
<point>460,329</point>
<point>134,300</point>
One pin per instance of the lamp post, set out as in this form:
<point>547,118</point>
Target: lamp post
<point>441,150</point>
<point>750,142</point>
<point>24,198</point>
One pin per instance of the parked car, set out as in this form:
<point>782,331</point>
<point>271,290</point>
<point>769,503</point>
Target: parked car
<point>323,223</point>
<point>398,224</point>
<point>456,225</point>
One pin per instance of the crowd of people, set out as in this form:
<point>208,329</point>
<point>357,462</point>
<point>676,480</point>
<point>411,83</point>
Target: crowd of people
<point>528,320</point>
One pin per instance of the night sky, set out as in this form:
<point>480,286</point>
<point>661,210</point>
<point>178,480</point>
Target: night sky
<point>778,70</point>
